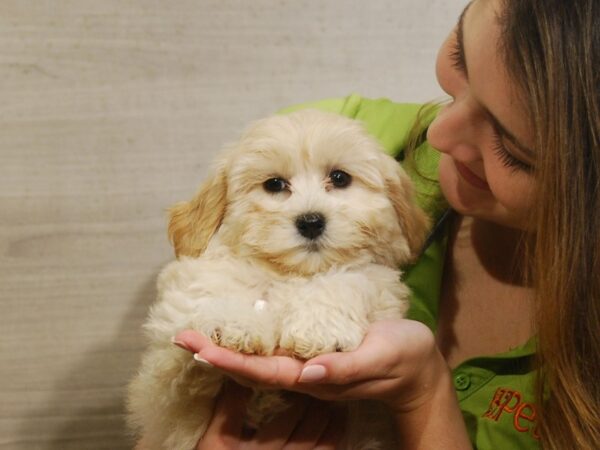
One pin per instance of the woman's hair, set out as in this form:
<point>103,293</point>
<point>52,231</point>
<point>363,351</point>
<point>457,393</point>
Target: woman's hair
<point>551,49</point>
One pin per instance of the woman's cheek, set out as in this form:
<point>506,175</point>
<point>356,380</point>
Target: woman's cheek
<point>512,189</point>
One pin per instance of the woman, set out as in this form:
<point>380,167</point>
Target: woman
<point>520,164</point>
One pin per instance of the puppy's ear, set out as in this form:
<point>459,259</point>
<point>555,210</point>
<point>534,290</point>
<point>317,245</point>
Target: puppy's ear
<point>413,220</point>
<point>193,223</point>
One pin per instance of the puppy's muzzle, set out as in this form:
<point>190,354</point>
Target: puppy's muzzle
<point>311,225</point>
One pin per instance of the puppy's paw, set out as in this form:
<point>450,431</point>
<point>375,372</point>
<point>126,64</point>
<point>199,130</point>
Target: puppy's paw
<point>240,339</point>
<point>243,329</point>
<point>309,339</point>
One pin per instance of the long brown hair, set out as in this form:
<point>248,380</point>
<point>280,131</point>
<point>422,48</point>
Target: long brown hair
<point>552,50</point>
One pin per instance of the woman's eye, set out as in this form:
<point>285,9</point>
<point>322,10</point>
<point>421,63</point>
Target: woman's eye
<point>340,179</point>
<point>275,185</point>
<point>506,158</point>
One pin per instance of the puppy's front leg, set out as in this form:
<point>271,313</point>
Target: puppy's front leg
<point>331,312</point>
<point>328,313</point>
<point>243,326</point>
<point>196,294</point>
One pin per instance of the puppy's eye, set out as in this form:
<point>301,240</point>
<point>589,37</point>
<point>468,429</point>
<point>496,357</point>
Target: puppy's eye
<point>275,185</point>
<point>340,179</point>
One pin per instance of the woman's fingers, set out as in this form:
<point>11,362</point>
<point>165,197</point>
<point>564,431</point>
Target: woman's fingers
<point>334,431</point>
<point>305,425</point>
<point>310,430</point>
<point>273,371</point>
<point>274,434</point>
<point>386,346</point>
<point>393,351</point>
<point>227,424</point>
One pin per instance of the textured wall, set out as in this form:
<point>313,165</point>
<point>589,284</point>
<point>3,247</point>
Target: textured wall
<point>109,112</point>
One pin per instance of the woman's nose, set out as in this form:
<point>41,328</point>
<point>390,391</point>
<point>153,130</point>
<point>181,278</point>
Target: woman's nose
<point>453,131</point>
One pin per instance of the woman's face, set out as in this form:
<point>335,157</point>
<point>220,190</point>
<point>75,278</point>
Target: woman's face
<point>486,165</point>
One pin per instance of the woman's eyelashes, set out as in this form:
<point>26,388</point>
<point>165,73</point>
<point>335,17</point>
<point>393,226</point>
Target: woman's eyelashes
<point>457,55</point>
<point>506,158</point>
<point>457,59</point>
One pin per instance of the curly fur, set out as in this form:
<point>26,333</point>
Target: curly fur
<point>238,247</point>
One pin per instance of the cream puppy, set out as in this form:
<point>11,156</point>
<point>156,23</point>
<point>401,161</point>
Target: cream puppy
<point>294,242</point>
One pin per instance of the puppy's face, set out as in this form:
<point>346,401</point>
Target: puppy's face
<point>311,190</point>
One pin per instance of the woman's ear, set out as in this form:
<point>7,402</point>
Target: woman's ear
<point>193,223</point>
<point>414,221</point>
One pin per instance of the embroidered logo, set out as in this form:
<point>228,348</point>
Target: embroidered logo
<point>509,401</point>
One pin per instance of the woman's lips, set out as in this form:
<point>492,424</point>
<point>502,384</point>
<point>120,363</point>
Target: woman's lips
<point>470,177</point>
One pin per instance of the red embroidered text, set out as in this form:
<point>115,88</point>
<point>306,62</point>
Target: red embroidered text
<point>509,401</point>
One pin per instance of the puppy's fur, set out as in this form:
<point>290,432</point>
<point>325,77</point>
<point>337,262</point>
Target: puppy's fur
<point>247,277</point>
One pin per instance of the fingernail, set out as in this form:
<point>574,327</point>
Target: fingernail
<point>180,344</point>
<point>201,361</point>
<point>311,374</point>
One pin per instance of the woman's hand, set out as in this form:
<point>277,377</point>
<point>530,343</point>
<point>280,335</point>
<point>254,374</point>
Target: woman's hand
<point>397,363</point>
<point>308,424</point>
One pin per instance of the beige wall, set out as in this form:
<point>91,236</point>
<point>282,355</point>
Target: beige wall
<point>110,110</point>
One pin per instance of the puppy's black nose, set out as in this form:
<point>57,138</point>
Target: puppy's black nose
<point>310,225</point>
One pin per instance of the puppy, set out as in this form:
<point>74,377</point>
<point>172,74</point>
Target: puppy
<point>293,243</point>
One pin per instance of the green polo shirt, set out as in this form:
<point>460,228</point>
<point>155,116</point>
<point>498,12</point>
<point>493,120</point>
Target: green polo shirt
<point>495,392</point>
